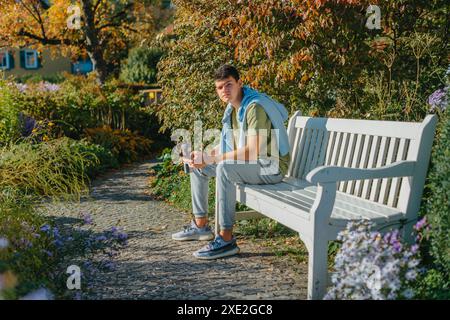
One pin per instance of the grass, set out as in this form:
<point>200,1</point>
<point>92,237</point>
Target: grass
<point>49,169</point>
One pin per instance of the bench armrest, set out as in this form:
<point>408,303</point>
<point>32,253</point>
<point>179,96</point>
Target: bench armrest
<point>327,174</point>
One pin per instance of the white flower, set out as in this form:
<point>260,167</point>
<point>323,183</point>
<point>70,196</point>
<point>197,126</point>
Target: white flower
<point>3,243</point>
<point>367,266</point>
<point>40,294</point>
<point>411,275</point>
<point>408,293</point>
<point>413,263</point>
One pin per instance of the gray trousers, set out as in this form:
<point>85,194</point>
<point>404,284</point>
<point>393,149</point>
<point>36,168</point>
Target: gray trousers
<point>227,174</point>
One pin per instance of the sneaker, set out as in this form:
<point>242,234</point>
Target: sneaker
<point>192,232</point>
<point>218,248</point>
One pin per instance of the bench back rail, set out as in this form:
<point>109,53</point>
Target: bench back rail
<point>364,144</point>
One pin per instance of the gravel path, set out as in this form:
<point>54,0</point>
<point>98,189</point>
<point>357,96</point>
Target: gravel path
<point>152,266</point>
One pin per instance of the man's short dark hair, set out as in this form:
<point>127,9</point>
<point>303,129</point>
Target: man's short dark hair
<point>225,71</point>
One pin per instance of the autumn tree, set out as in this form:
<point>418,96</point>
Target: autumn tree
<point>102,29</point>
<point>319,56</point>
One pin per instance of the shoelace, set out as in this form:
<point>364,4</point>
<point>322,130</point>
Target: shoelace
<point>188,228</point>
<point>216,243</point>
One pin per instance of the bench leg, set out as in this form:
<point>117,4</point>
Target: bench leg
<point>317,269</point>
<point>408,233</point>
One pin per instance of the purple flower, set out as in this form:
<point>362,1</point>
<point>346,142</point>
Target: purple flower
<point>58,243</point>
<point>101,238</point>
<point>438,99</point>
<point>122,236</point>
<point>114,229</point>
<point>415,248</point>
<point>420,224</point>
<point>394,237</point>
<point>86,218</point>
<point>48,253</point>
<point>397,246</point>
<point>21,87</point>
<point>56,232</point>
<point>49,87</point>
<point>371,267</point>
<point>28,124</point>
<point>45,228</point>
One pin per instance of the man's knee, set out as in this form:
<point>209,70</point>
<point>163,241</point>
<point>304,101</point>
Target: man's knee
<point>228,169</point>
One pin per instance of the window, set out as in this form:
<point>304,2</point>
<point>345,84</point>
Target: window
<point>82,66</point>
<point>31,59</point>
<point>4,60</point>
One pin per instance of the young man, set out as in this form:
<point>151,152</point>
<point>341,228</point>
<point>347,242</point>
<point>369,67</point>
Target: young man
<point>247,135</point>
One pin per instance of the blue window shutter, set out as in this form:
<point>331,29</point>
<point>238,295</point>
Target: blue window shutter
<point>11,60</point>
<point>39,59</point>
<point>22,59</point>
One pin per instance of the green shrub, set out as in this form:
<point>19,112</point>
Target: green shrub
<point>438,203</point>
<point>80,102</point>
<point>434,284</point>
<point>9,113</point>
<point>53,168</point>
<point>125,145</point>
<point>106,159</point>
<point>36,78</point>
<point>140,66</point>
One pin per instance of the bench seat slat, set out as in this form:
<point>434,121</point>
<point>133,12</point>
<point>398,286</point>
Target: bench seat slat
<point>307,188</point>
<point>294,199</point>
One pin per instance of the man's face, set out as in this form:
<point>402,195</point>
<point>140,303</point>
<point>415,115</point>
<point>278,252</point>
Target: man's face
<point>228,89</point>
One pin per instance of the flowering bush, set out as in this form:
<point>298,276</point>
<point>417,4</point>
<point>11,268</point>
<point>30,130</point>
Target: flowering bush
<point>439,99</point>
<point>30,243</point>
<point>78,103</point>
<point>24,262</point>
<point>43,86</point>
<point>372,266</point>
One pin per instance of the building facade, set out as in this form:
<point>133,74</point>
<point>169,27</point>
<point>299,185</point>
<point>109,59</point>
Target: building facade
<point>27,61</point>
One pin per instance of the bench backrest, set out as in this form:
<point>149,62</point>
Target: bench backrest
<point>316,142</point>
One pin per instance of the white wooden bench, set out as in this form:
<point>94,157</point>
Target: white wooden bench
<point>344,170</point>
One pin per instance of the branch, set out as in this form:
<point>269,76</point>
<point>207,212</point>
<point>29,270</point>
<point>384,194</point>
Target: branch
<point>97,5</point>
<point>29,10</point>
<point>117,15</point>
<point>41,23</point>
<point>46,41</point>
<point>108,25</point>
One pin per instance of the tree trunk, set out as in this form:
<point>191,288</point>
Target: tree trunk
<point>93,48</point>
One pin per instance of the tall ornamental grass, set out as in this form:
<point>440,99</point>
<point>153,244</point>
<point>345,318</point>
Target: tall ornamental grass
<point>54,168</point>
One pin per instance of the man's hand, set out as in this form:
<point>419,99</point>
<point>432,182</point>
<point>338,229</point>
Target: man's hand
<point>199,160</point>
